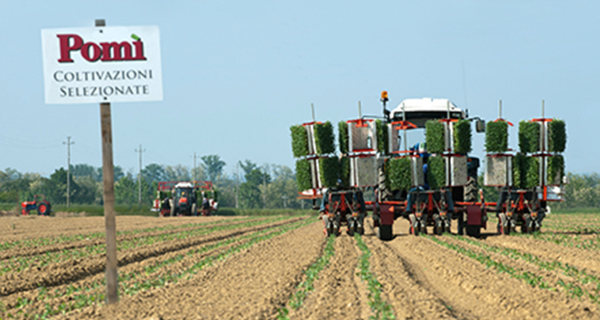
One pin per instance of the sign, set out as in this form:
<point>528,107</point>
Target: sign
<point>102,64</point>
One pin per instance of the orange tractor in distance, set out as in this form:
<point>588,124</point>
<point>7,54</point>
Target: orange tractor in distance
<point>43,207</point>
<point>182,198</point>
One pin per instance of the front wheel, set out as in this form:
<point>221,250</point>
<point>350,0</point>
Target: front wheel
<point>384,232</point>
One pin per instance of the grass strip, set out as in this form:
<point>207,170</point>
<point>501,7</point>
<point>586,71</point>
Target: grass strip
<point>306,286</point>
<point>381,309</point>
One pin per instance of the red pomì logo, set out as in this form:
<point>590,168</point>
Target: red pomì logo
<point>103,51</point>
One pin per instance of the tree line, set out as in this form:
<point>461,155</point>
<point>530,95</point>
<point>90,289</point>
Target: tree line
<point>253,186</point>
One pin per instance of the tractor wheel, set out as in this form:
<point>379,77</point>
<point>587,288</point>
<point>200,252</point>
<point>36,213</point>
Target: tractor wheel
<point>414,225</point>
<point>474,231</point>
<point>525,227</point>
<point>461,223</point>
<point>384,232</point>
<point>351,231</point>
<point>470,191</point>
<point>438,224</point>
<point>42,209</point>
<point>503,224</point>
<point>422,227</point>
<point>383,192</point>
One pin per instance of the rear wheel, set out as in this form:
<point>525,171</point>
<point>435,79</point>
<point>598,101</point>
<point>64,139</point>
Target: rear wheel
<point>42,209</point>
<point>384,232</point>
<point>474,231</point>
<point>470,191</point>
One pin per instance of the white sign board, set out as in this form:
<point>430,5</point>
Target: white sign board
<point>102,64</point>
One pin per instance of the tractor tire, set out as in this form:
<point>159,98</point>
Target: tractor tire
<point>470,191</point>
<point>526,226</point>
<point>474,231</point>
<point>384,232</point>
<point>438,225</point>
<point>383,191</point>
<point>414,225</point>
<point>503,224</point>
<point>42,209</point>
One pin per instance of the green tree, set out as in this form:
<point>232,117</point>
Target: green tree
<point>213,166</point>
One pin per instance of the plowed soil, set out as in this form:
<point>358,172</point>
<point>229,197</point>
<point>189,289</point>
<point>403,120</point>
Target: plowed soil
<point>250,267</point>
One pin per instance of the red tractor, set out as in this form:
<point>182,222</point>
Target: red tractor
<point>43,207</point>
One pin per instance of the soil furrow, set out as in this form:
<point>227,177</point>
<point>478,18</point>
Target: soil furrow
<point>337,292</point>
<point>253,284</point>
<point>74,270</point>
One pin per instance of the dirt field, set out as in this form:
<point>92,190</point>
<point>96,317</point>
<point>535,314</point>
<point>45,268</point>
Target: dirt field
<point>283,267</point>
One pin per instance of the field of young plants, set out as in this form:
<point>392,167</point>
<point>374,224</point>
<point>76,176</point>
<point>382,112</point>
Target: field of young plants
<point>282,267</point>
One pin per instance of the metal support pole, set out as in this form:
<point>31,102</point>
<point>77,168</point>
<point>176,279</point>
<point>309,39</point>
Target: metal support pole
<point>140,150</point>
<point>112,294</point>
<point>68,143</point>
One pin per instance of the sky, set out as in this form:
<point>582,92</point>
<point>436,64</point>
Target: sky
<point>238,74</point>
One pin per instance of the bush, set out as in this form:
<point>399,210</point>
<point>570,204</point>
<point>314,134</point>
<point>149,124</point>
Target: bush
<point>398,173</point>
<point>434,136</point>
<point>529,136</point>
<point>330,171</point>
<point>299,141</point>
<point>496,136</point>
<point>303,176</point>
<point>382,137</point>
<point>436,172</point>
<point>462,137</point>
<point>557,136</point>
<point>324,138</point>
<point>343,136</point>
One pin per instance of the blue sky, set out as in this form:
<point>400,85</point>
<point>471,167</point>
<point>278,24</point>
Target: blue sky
<point>238,74</point>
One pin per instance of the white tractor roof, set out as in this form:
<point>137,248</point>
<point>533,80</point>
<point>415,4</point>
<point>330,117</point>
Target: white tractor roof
<point>184,185</point>
<point>420,110</point>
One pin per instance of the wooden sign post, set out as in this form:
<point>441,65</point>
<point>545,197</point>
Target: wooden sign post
<point>112,287</point>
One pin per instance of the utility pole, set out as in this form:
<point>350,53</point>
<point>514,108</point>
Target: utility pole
<point>68,143</point>
<point>194,169</point>
<point>140,178</point>
<point>237,184</point>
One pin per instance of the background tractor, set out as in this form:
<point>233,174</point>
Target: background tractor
<point>42,206</point>
<point>182,198</point>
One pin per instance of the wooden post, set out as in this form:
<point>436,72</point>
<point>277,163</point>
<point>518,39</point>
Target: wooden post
<point>112,293</point>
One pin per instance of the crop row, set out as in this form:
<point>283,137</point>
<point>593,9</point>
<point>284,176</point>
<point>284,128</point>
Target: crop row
<point>46,241</point>
<point>130,283</point>
<point>18,264</point>
<point>568,240</point>
<point>381,308</point>
<point>572,289</point>
<point>580,275</point>
<point>311,274</point>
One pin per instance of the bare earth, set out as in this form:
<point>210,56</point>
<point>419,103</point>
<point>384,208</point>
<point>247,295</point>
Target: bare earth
<point>248,267</point>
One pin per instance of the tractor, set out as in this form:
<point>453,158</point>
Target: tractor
<point>42,206</point>
<point>180,198</point>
